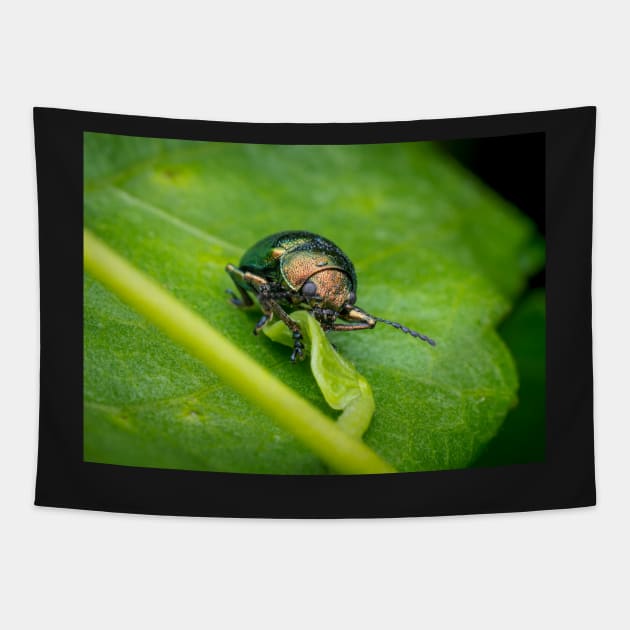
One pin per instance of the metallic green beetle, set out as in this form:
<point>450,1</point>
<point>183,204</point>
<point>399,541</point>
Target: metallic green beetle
<point>291,270</point>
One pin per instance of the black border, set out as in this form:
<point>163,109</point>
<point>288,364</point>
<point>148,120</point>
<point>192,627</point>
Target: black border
<point>566,479</point>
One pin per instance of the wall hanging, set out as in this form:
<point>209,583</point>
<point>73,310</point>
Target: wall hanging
<point>315,320</point>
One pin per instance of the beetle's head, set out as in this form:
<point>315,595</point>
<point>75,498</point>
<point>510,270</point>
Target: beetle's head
<point>329,289</point>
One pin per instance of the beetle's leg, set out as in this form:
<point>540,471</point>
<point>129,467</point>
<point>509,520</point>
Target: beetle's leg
<point>267,295</point>
<point>298,346</point>
<point>245,300</point>
<point>267,317</point>
<point>360,319</point>
<point>258,284</point>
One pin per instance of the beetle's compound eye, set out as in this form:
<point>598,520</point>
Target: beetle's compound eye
<point>309,289</point>
<point>352,297</point>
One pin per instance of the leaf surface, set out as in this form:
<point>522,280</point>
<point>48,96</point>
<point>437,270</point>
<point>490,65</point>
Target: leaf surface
<point>433,249</point>
<point>522,437</point>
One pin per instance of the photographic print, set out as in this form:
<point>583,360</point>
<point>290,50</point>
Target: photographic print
<point>314,309</point>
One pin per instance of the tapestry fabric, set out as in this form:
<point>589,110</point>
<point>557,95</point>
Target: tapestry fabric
<point>418,293</point>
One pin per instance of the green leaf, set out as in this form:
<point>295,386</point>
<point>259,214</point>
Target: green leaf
<point>433,249</point>
<point>522,437</point>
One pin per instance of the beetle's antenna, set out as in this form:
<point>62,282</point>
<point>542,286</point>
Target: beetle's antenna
<point>404,329</point>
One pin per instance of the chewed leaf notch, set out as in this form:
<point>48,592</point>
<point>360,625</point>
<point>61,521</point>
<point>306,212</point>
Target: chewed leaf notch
<point>341,385</point>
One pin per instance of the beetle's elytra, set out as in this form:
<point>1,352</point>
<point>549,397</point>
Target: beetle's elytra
<point>290,270</point>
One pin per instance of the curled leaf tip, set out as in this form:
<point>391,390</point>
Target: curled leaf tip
<point>341,385</point>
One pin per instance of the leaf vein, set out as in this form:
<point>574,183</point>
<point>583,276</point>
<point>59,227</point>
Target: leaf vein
<point>173,220</point>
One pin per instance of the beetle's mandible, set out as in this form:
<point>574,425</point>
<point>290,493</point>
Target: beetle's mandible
<point>290,270</point>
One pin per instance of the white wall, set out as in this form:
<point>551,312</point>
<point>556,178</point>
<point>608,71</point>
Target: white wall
<point>278,61</point>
